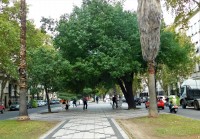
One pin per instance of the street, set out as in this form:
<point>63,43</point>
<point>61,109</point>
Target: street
<point>11,114</point>
<point>188,112</point>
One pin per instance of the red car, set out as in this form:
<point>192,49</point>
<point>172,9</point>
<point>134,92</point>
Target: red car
<point>160,104</point>
<point>2,108</point>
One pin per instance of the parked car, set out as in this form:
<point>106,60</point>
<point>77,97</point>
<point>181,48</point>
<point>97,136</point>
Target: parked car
<point>160,104</point>
<point>15,106</point>
<point>123,99</point>
<point>52,102</point>
<point>40,103</point>
<point>2,108</point>
<point>137,101</point>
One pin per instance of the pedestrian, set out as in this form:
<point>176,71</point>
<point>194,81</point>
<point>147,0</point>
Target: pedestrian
<point>74,103</point>
<point>97,99</point>
<point>84,103</point>
<point>67,105</point>
<point>9,102</point>
<point>114,99</point>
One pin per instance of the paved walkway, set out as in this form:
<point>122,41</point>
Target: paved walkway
<point>97,122</point>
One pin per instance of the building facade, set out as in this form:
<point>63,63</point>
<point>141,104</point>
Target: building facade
<point>194,33</point>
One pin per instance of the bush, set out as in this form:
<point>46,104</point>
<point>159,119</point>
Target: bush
<point>34,103</point>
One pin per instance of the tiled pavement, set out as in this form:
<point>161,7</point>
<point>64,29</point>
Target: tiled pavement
<point>97,122</point>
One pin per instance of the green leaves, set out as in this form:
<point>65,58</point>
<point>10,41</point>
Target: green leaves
<point>183,10</point>
<point>9,46</point>
<point>101,41</point>
<point>47,67</point>
<point>176,58</point>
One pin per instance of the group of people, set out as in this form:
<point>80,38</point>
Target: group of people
<point>85,102</point>
<point>66,104</point>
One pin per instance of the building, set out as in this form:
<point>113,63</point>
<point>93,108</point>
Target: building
<point>194,33</point>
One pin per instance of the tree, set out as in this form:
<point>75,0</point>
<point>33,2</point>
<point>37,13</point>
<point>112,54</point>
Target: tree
<point>46,69</point>
<point>149,21</point>
<point>9,45</point>
<point>101,41</point>
<point>10,42</point>
<point>183,10</point>
<point>176,58</point>
<point>23,113</point>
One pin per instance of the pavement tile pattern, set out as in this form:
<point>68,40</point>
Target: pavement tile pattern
<point>97,122</point>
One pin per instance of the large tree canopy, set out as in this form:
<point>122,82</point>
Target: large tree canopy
<point>9,39</point>
<point>176,58</point>
<point>46,69</point>
<point>101,41</point>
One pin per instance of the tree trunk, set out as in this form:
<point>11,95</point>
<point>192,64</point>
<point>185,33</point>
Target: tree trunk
<point>48,101</point>
<point>23,113</point>
<point>153,110</point>
<point>149,22</point>
<point>127,90</point>
<point>3,85</point>
<point>38,96</point>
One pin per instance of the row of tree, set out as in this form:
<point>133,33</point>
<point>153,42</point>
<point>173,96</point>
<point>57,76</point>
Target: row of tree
<point>97,46</point>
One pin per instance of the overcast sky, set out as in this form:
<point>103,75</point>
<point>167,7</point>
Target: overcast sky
<point>56,8</point>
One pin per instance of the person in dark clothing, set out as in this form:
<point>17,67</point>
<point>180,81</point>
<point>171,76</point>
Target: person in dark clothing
<point>84,103</point>
<point>97,99</point>
<point>67,105</point>
<point>114,99</point>
<point>74,103</point>
<point>9,102</point>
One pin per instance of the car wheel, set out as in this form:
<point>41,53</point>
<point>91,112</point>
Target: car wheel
<point>196,105</point>
<point>1,111</point>
<point>183,105</point>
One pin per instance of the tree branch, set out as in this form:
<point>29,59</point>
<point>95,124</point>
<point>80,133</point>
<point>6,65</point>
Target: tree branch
<point>198,3</point>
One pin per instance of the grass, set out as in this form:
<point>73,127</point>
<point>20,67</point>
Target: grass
<point>166,125</point>
<point>12,129</point>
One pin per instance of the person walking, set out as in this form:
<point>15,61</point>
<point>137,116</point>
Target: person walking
<point>74,103</point>
<point>114,99</point>
<point>85,103</point>
<point>67,105</point>
<point>97,99</point>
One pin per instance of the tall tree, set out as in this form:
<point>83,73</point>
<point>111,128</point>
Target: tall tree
<point>9,46</point>
<point>46,69</point>
<point>23,112</point>
<point>149,21</point>
<point>102,44</point>
<point>176,58</point>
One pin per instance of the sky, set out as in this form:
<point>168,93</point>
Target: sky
<point>56,8</point>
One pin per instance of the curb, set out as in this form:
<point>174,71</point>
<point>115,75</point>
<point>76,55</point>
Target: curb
<point>45,135</point>
<point>124,135</point>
